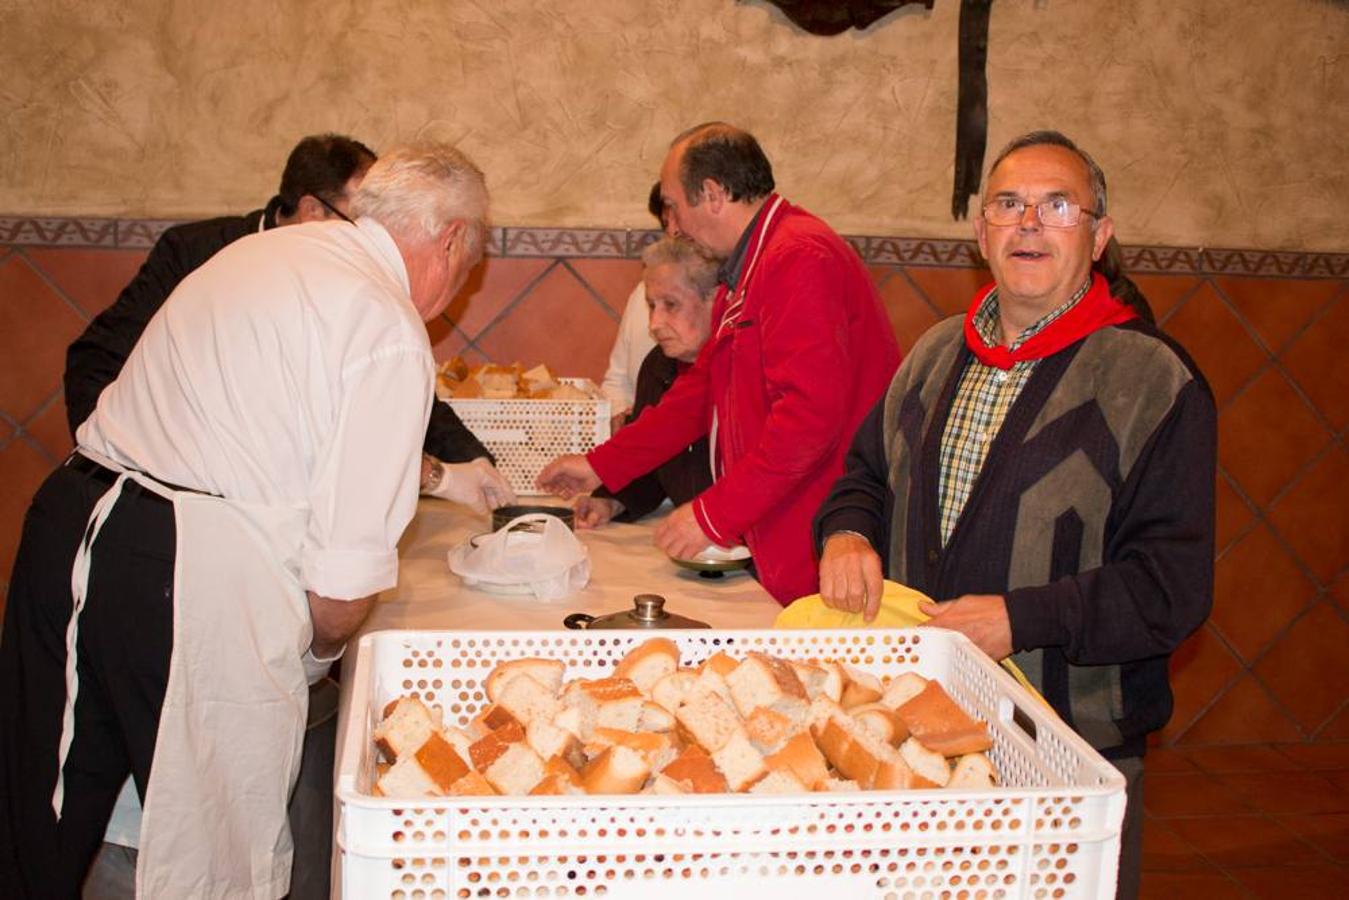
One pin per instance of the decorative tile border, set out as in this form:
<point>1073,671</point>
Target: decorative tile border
<point>621,243</point>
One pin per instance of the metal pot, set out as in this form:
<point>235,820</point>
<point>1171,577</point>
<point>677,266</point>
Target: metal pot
<point>648,611</point>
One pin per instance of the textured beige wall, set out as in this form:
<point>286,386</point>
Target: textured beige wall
<point>1219,122</point>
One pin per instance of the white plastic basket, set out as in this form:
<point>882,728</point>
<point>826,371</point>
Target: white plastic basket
<point>1052,830</point>
<point>525,435</point>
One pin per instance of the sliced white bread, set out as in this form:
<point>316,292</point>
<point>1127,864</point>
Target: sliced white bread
<point>618,770</point>
<point>779,781</point>
<point>430,771</point>
<point>547,672</point>
<point>881,721</point>
<point>768,729</point>
<point>648,663</point>
<point>939,722</point>
<point>861,688</point>
<point>903,688</point>
<point>406,725</point>
<point>765,681</point>
<point>472,785</point>
<point>694,772</point>
<point>671,690</point>
<point>739,762</point>
<point>973,771</point>
<point>655,718</point>
<point>527,700</point>
<point>659,748</point>
<point>709,721</point>
<point>801,755</point>
<point>548,740</point>
<point>930,768</point>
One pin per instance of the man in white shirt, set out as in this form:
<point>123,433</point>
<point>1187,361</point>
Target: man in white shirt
<point>232,509</point>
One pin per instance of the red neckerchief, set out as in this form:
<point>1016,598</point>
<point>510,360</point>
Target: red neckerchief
<point>1097,309</point>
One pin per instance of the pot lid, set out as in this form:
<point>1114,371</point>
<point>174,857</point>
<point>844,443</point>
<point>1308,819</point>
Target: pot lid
<point>648,611</point>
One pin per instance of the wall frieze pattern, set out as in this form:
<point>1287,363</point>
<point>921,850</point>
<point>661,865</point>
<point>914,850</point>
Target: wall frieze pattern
<point>618,243</point>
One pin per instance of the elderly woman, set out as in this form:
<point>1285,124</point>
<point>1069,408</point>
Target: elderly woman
<point>680,281</point>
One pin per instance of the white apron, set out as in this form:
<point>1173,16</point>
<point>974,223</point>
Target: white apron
<point>227,752</point>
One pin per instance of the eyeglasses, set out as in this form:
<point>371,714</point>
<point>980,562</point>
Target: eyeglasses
<point>332,209</point>
<point>1056,212</point>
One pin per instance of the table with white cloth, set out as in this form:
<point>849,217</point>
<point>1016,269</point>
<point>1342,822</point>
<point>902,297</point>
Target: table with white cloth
<point>624,562</point>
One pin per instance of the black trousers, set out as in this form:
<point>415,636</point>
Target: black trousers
<point>125,641</point>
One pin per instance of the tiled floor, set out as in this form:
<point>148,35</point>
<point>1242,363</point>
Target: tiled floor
<point>1251,820</point>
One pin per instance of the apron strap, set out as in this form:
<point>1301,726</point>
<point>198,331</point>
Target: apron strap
<point>79,590</point>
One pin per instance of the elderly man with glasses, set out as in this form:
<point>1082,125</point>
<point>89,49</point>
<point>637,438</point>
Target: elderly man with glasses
<point>1044,467</point>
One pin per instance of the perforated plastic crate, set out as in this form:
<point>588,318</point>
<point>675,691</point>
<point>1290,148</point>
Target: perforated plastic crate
<point>526,435</point>
<point>1052,829</point>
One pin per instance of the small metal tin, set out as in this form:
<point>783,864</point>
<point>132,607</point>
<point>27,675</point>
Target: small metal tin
<point>648,611</point>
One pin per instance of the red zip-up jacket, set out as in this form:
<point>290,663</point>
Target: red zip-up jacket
<point>798,355</point>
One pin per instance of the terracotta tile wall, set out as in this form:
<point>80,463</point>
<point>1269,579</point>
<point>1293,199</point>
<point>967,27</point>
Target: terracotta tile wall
<point>1267,329</point>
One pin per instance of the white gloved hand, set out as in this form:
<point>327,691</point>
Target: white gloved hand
<point>477,484</point>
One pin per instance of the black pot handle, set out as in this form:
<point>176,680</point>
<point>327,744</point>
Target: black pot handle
<point>578,621</point>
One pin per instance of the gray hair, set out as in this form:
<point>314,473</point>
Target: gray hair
<point>697,266</point>
<point>418,189</point>
<point>1095,177</point>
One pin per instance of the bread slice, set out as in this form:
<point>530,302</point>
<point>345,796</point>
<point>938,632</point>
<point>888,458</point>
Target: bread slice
<point>861,688</point>
<point>803,758</point>
<point>858,754</point>
<point>648,663</point>
<point>604,703</point>
<point>657,747</point>
<point>840,785</point>
<point>547,672</point>
<point>406,725</point>
<point>939,722</point>
<point>903,688</point>
<point>739,762</point>
<point>527,700</point>
<point>973,771</point>
<point>485,751</point>
<point>460,740</point>
<point>881,721</point>
<point>929,767</point>
<point>548,740</point>
<point>709,721</point>
<point>618,770</point>
<point>515,771</point>
<point>768,729</point>
<point>779,781</point>
<point>765,681</point>
<point>671,690</point>
<point>430,771</point>
<point>489,720</point>
<point>692,772</point>
<point>560,777</point>
<point>655,718</point>
<point>472,785</point>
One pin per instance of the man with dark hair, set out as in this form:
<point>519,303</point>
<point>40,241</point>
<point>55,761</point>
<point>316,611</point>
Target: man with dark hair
<point>320,177</point>
<point>1045,467</point>
<point>800,350</point>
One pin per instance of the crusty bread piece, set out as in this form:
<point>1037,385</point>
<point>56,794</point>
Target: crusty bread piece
<point>406,725</point>
<point>469,389</point>
<point>547,672</point>
<point>485,750</point>
<point>655,718</point>
<point>460,740</point>
<point>527,700</point>
<point>779,781</point>
<point>648,663</point>
<point>861,688</point>
<point>671,690</point>
<point>604,703</point>
<point>763,680</point>
<point>930,768</point>
<point>881,721</point>
<point>903,688</point>
<point>769,729</point>
<point>803,758</point>
<point>834,679</point>
<point>664,786</point>
<point>939,722</point>
<point>498,382</point>
<point>618,770</point>
<point>739,761</point>
<point>538,379</point>
<point>840,785</point>
<point>559,777</point>
<point>973,771</point>
<point>566,392</point>
<point>658,747</point>
<point>489,720</point>
<point>708,721</point>
<point>454,368</point>
<point>429,771</point>
<point>694,772</point>
<point>548,740</point>
<point>472,785</point>
<point>858,754</point>
<point>720,662</point>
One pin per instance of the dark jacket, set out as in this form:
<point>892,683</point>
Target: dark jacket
<point>96,357</point>
<point>684,476</point>
<point>1092,515</point>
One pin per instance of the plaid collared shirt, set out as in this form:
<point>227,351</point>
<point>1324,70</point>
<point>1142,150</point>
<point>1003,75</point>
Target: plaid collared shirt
<point>982,400</point>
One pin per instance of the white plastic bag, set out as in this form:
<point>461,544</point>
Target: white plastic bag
<point>531,554</point>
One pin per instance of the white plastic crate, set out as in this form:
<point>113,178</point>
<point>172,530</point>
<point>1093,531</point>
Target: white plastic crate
<point>525,435</point>
<point>1052,830</point>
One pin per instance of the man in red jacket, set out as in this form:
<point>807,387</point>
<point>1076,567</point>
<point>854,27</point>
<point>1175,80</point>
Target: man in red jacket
<point>800,349</point>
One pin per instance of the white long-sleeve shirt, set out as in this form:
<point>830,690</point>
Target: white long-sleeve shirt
<point>290,370</point>
<point>631,346</point>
